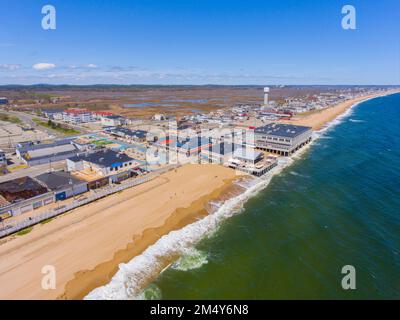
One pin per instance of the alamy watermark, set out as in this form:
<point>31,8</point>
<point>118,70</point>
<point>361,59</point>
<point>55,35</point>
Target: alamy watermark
<point>349,20</point>
<point>49,19</point>
<point>49,278</point>
<point>349,280</point>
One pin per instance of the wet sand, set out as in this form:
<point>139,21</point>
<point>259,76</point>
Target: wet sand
<point>320,118</point>
<point>86,245</point>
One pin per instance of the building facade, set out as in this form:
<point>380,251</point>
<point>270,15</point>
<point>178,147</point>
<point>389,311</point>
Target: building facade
<point>283,139</point>
<point>77,115</point>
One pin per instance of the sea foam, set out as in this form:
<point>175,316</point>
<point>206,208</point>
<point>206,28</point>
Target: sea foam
<point>128,282</point>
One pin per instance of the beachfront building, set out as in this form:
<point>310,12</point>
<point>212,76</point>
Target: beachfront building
<point>218,153</point>
<point>77,115</point>
<point>193,146</point>
<point>113,120</point>
<point>251,161</point>
<point>63,184</point>
<point>102,167</point>
<point>35,154</point>
<point>283,139</point>
<point>22,195</point>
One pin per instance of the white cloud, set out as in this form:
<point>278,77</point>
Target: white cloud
<point>92,65</point>
<point>43,66</point>
<point>10,67</point>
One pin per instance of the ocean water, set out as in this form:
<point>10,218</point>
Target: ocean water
<point>288,237</point>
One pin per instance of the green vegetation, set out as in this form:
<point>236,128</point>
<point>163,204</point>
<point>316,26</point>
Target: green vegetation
<point>46,221</point>
<point>24,231</point>
<point>101,142</point>
<point>8,118</point>
<point>56,126</point>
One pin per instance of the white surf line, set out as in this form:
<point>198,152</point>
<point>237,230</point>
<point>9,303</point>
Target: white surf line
<point>125,284</point>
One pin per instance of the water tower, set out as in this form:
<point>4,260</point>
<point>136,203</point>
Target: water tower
<point>266,92</point>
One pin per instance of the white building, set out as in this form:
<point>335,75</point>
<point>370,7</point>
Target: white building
<point>104,163</point>
<point>77,115</point>
<point>283,139</point>
<point>113,121</point>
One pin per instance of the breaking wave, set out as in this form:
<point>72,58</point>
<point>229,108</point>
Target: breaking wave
<point>356,120</point>
<point>194,259</point>
<point>130,279</point>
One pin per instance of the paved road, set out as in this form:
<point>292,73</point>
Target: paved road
<point>33,171</point>
<point>28,118</point>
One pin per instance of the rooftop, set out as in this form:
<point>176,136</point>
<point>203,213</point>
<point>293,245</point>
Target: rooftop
<point>282,130</point>
<point>103,158</point>
<point>193,143</point>
<point>21,189</point>
<point>77,111</point>
<point>224,148</point>
<point>141,134</point>
<point>248,154</point>
<point>112,116</point>
<point>28,146</point>
<point>58,180</point>
<point>50,151</point>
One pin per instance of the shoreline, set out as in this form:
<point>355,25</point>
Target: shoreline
<point>115,289</point>
<point>81,240</point>
<point>107,272</point>
<point>320,118</point>
<point>85,281</point>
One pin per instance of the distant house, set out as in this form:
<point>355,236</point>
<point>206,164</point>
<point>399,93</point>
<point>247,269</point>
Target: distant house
<point>113,120</point>
<point>63,184</point>
<point>132,135</point>
<point>160,117</point>
<point>77,115</point>
<point>22,195</point>
<point>53,114</point>
<point>97,115</point>
<point>44,153</point>
<point>3,100</point>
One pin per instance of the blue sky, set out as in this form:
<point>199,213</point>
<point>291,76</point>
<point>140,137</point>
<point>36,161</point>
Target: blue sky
<point>200,42</point>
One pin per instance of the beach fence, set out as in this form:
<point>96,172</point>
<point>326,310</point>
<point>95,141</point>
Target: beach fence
<point>98,194</point>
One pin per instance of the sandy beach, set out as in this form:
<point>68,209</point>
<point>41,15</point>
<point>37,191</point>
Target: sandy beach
<point>317,119</point>
<point>86,245</point>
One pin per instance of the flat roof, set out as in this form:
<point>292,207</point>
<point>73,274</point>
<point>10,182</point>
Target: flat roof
<point>224,148</point>
<point>282,130</point>
<point>21,189</point>
<point>193,143</point>
<point>247,154</point>
<point>131,133</point>
<point>26,146</point>
<point>58,180</point>
<point>103,158</point>
<point>56,150</point>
